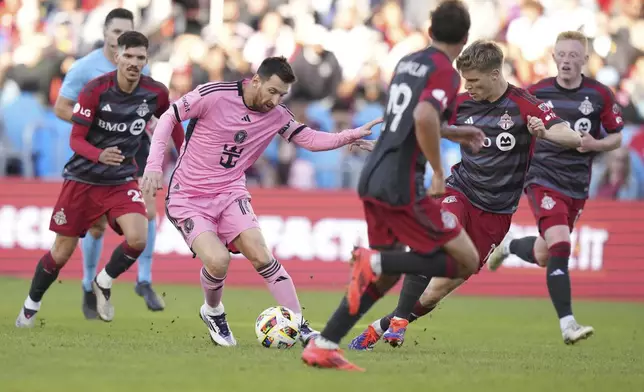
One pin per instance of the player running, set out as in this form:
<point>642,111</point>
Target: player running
<point>558,179</point>
<point>231,124</point>
<point>398,209</point>
<point>96,63</point>
<point>485,188</point>
<point>100,176</point>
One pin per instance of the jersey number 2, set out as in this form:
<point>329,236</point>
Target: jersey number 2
<point>399,98</point>
<point>135,195</point>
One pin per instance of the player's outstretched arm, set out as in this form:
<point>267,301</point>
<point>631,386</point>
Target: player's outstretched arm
<point>465,135</point>
<point>559,133</point>
<point>428,134</point>
<point>313,140</point>
<point>153,176</point>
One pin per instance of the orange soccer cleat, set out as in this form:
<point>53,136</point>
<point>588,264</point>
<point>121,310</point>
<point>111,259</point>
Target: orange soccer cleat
<point>327,358</point>
<point>361,276</point>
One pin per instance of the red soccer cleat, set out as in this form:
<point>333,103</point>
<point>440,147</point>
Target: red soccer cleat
<point>361,276</point>
<point>327,359</point>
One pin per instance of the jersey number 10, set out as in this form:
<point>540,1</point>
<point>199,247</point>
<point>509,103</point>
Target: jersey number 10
<point>399,98</point>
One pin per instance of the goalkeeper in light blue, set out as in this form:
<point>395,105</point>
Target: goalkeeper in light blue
<point>94,64</point>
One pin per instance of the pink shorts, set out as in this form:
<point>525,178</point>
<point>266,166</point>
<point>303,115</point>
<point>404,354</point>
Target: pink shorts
<point>225,214</point>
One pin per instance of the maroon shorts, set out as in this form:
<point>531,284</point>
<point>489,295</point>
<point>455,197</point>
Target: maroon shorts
<point>486,229</point>
<point>79,205</point>
<point>423,226</point>
<point>551,208</point>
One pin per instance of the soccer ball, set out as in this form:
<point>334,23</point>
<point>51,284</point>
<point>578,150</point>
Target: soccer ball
<point>277,327</point>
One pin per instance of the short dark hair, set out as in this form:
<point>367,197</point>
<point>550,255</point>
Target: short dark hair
<point>119,13</point>
<point>276,66</point>
<point>450,22</point>
<point>132,39</point>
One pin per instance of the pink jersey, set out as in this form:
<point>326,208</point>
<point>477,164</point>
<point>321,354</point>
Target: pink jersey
<point>225,138</point>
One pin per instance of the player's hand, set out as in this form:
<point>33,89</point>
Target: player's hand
<point>111,156</point>
<point>588,143</point>
<point>366,145</point>
<point>468,136</point>
<point>536,126</point>
<point>365,130</point>
<point>151,182</point>
<point>437,189</point>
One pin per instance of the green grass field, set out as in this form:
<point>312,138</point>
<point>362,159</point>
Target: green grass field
<point>470,344</point>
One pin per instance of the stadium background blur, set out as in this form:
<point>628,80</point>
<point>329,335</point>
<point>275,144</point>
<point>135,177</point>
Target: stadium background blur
<point>343,53</point>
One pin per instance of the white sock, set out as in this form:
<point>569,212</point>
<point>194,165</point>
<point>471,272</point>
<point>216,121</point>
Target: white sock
<point>104,280</point>
<point>325,344</point>
<point>31,304</point>
<point>376,326</point>
<point>564,321</point>
<point>376,265</point>
<point>216,311</point>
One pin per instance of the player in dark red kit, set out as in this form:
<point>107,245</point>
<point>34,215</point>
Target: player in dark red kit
<point>558,179</point>
<point>109,120</point>
<point>484,188</point>
<point>398,210</point>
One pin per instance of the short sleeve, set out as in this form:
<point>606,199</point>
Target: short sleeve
<point>163,102</point>
<point>611,114</point>
<point>290,127</point>
<point>194,104</point>
<point>533,106</point>
<point>74,81</point>
<point>441,89</point>
<point>85,108</point>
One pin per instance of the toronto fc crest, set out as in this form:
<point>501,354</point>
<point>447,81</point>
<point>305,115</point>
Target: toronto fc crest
<point>586,107</point>
<point>60,218</point>
<point>506,122</point>
<point>143,109</point>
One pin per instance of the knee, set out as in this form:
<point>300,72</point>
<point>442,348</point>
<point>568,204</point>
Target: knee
<point>259,256</point>
<point>216,263</point>
<point>62,251</point>
<point>467,263</point>
<point>137,240</point>
<point>98,229</point>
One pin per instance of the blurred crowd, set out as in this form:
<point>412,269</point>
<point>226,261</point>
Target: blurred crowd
<point>343,53</point>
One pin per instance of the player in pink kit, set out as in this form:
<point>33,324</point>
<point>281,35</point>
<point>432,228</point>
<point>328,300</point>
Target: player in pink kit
<point>231,124</point>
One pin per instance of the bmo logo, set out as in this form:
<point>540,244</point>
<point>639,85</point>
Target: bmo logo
<point>505,141</point>
<point>112,127</point>
<point>583,125</point>
<point>136,128</point>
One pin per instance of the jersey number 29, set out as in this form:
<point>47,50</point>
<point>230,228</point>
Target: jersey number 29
<point>399,98</point>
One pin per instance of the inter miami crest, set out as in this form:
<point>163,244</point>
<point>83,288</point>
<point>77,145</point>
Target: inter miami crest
<point>143,109</point>
<point>240,137</point>
<point>506,122</point>
<point>586,107</point>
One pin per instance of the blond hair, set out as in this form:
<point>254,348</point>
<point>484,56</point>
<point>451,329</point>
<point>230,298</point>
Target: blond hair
<point>482,56</point>
<point>574,36</point>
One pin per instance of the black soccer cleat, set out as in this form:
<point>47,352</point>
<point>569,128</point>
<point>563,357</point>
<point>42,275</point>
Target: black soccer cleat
<point>153,301</point>
<point>89,305</point>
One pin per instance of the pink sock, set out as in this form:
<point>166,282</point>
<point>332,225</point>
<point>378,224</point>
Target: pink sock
<point>213,288</point>
<point>281,286</point>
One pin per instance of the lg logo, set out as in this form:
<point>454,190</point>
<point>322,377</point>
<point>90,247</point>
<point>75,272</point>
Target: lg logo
<point>504,141</point>
<point>82,111</point>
